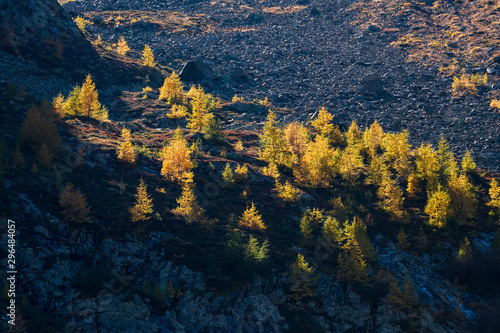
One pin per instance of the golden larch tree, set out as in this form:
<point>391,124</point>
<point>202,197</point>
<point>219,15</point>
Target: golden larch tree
<point>377,171</point>
<point>176,158</point>
<point>354,136</point>
<point>74,204</point>
<point>494,192</point>
<point>413,189</point>
<point>463,198</point>
<point>122,47</point>
<point>297,137</point>
<point>251,219</point>
<point>468,164</point>
<point>438,208</point>
<point>391,200</point>
<point>428,166</point>
<point>302,279</point>
<point>172,90</point>
<point>188,207</point>
<point>352,265</point>
<point>148,58</point>
<point>58,106</point>
<point>201,105</point>
<point>396,151</point>
<point>323,122</point>
<point>44,156</point>
<point>143,204</point>
<point>351,163</point>
<point>19,161</point>
<point>287,193</point>
<point>305,226</point>
<point>372,138</point>
<point>228,176</point>
<point>126,152</point>
<point>319,164</point>
<point>89,101</point>
<point>273,147</point>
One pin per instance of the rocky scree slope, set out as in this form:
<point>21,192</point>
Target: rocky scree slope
<point>305,54</point>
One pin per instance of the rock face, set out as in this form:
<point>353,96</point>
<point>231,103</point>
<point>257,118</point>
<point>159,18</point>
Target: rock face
<point>196,71</point>
<point>24,21</point>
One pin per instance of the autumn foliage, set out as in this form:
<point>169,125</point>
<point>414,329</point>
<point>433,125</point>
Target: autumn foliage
<point>176,159</point>
<point>126,152</point>
<point>143,206</point>
<point>251,219</point>
<point>74,204</point>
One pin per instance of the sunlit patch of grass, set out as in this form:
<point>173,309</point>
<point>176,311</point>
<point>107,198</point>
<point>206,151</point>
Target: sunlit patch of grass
<point>467,84</point>
<point>448,35</point>
<point>284,10</point>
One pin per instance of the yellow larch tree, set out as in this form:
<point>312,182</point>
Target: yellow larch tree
<point>176,158</point>
<point>143,204</point>
<point>396,152</point>
<point>438,208</point>
<point>201,105</point>
<point>188,208</point>
<point>89,101</point>
<point>351,163</point>
<point>297,137</point>
<point>126,152</point>
<point>372,138</point>
<point>322,123</point>
<point>391,200</point>
<point>463,198</point>
<point>44,156</point>
<point>74,204</point>
<point>251,219</point>
<point>122,47</point>
<point>468,164</point>
<point>377,171</point>
<point>19,161</point>
<point>148,58</point>
<point>352,264</point>
<point>354,136</point>
<point>494,193</point>
<point>172,90</point>
<point>319,164</point>
<point>273,147</point>
<point>413,189</point>
<point>302,279</point>
<point>428,166</point>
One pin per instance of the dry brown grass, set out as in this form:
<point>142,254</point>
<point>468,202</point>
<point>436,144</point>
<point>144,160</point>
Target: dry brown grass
<point>283,10</point>
<point>445,32</point>
<point>173,21</point>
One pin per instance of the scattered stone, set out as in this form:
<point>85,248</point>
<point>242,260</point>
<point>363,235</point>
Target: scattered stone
<point>249,108</point>
<point>373,28</point>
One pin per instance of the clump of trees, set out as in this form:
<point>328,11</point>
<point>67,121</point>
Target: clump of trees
<point>82,101</point>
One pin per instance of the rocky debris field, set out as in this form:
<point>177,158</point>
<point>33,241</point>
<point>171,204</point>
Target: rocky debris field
<point>305,54</point>
<point>60,264</point>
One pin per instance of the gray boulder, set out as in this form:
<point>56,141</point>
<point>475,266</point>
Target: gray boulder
<point>196,71</point>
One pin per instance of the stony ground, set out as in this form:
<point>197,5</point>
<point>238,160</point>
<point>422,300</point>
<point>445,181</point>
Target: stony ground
<point>305,54</point>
